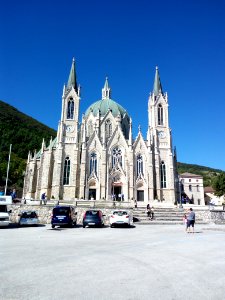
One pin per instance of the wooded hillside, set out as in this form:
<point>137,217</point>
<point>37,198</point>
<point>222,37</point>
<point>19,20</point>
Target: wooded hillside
<point>25,134</point>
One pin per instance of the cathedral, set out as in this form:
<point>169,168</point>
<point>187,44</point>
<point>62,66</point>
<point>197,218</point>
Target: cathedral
<point>96,157</point>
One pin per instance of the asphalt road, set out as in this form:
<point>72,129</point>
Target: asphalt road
<point>143,262</point>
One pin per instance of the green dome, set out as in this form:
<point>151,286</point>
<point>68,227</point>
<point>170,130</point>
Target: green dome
<point>104,106</point>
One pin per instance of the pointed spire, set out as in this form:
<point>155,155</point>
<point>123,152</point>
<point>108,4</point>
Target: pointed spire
<point>130,134</point>
<point>64,89</point>
<point>106,91</point>
<point>29,156</point>
<point>43,146</point>
<point>157,87</point>
<point>72,81</point>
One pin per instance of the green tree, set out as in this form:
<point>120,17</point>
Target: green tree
<point>219,184</point>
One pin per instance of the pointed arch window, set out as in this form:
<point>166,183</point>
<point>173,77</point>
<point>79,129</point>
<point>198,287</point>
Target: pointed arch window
<point>190,188</point>
<point>163,174</point>
<point>70,109</point>
<point>108,128</point>
<point>90,128</point>
<point>117,157</point>
<point>93,163</point>
<point>160,115</point>
<point>198,188</point>
<point>139,165</point>
<point>66,173</point>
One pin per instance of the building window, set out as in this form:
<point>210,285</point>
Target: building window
<point>108,128</point>
<point>139,165</point>
<point>66,174</point>
<point>93,163</point>
<point>189,180</point>
<point>163,174</point>
<point>190,188</point>
<point>160,115</point>
<point>116,157</point>
<point>70,109</point>
<point>197,188</point>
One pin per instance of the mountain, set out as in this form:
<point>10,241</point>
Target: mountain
<point>22,131</point>
<point>25,134</point>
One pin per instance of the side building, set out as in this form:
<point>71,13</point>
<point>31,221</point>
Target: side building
<point>192,189</point>
<point>98,157</point>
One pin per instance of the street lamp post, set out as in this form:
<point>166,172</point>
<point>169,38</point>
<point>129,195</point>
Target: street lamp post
<point>7,175</point>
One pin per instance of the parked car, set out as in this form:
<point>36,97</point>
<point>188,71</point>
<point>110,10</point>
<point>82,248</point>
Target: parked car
<point>93,218</point>
<point>5,201</point>
<point>28,217</point>
<point>121,217</point>
<point>64,215</point>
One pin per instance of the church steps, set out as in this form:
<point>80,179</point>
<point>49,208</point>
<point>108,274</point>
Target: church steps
<point>165,222</point>
<point>163,216</point>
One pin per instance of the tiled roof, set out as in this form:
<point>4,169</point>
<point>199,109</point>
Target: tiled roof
<point>209,189</point>
<point>187,175</point>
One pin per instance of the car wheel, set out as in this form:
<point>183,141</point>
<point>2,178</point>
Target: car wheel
<point>111,225</point>
<point>75,223</point>
<point>84,226</point>
<point>53,226</point>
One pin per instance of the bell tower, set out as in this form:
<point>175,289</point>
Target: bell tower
<point>160,133</point>
<point>65,174</point>
<point>68,127</point>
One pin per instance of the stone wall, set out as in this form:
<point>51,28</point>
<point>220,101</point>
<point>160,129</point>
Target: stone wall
<point>45,211</point>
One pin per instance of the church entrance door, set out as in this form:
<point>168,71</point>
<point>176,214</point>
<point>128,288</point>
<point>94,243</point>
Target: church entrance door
<point>117,193</point>
<point>92,194</point>
<point>140,195</point>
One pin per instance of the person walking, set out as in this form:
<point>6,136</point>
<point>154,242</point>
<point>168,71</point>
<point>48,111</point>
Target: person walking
<point>152,213</point>
<point>190,221</point>
<point>148,210</point>
<point>43,198</point>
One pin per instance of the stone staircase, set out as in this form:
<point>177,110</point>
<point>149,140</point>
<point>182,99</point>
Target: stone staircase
<point>162,216</point>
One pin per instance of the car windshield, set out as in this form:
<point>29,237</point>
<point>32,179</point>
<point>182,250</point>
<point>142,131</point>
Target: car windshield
<point>62,211</point>
<point>119,213</point>
<point>92,213</point>
<point>29,214</point>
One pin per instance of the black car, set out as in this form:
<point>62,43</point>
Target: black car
<point>93,218</point>
<point>64,215</point>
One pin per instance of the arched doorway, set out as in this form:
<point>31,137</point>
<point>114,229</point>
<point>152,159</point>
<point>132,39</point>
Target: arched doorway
<point>117,191</point>
<point>92,191</point>
<point>140,192</point>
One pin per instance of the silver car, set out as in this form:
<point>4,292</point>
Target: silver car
<point>28,217</point>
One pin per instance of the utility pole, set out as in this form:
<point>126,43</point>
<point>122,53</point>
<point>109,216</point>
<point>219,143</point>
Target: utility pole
<point>6,183</point>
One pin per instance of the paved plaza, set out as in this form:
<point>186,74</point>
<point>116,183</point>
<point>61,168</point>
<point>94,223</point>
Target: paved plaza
<point>143,262</point>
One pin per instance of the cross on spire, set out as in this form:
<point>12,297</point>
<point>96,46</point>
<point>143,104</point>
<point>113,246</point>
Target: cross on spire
<point>106,91</point>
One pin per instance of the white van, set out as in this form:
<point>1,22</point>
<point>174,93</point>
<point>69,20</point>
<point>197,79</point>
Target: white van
<point>4,213</point>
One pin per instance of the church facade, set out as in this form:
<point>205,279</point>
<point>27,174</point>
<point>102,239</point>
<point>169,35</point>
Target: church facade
<point>98,157</point>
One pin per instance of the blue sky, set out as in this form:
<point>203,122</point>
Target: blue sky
<point>123,40</point>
